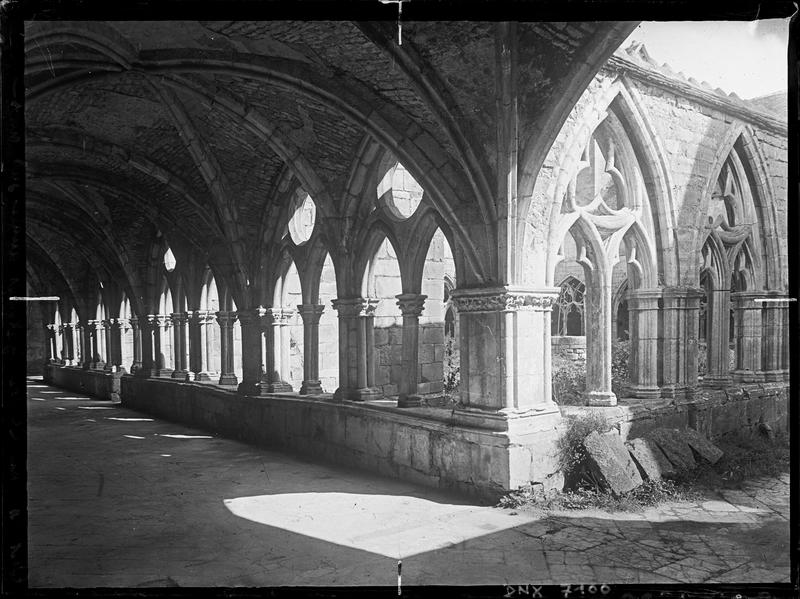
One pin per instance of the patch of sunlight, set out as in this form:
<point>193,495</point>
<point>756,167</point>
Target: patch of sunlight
<point>95,408</point>
<point>38,399</point>
<point>166,455</point>
<point>129,419</point>
<point>90,420</point>
<point>396,526</point>
<point>53,392</point>
<point>61,409</point>
<point>133,437</point>
<point>185,436</point>
<point>38,386</point>
<point>83,397</point>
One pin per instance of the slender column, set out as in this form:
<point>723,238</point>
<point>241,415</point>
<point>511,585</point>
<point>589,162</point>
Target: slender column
<point>100,344</point>
<point>226,320</point>
<point>113,344</point>
<point>207,320</point>
<point>505,356</point>
<point>310,313</point>
<point>162,324</point>
<point>178,320</point>
<point>597,310</point>
<point>278,351</point>
<point>49,334</point>
<point>63,353</point>
<point>356,371</point>
<point>775,317</point>
<point>678,341</point>
<point>747,330</point>
<point>81,344</point>
<point>91,338</point>
<point>69,348</point>
<point>250,320</point>
<point>195,349</point>
<point>88,351</point>
<point>151,346</point>
<point>718,373</point>
<point>136,366</point>
<point>411,306</point>
<point>285,346</point>
<point>643,363</point>
<point>107,355</point>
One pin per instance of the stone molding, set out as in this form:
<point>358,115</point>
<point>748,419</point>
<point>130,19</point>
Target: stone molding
<point>251,316</point>
<point>310,313</point>
<point>179,318</point>
<point>355,306</point>
<point>411,304</point>
<point>226,319</point>
<point>279,316</point>
<point>503,299</point>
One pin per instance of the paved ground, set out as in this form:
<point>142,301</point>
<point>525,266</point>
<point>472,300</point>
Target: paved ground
<point>118,499</point>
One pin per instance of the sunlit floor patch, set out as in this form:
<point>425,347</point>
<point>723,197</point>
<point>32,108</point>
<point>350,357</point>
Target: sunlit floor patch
<point>37,386</point>
<point>396,526</point>
<point>82,397</point>
<point>38,399</point>
<point>95,408</point>
<point>185,436</point>
<point>133,437</point>
<point>61,409</point>
<point>52,392</point>
<point>166,455</point>
<point>129,419</point>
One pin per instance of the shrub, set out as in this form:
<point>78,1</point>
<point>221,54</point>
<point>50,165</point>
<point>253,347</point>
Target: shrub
<point>451,371</point>
<point>570,451</point>
<point>702,358</point>
<point>620,354</point>
<point>568,381</point>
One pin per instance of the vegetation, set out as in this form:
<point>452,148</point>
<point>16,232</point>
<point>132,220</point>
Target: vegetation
<point>569,376</point>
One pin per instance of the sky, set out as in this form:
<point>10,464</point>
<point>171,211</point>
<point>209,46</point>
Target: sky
<point>745,57</point>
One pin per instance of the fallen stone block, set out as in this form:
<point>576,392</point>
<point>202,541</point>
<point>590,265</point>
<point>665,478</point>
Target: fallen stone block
<point>674,446</point>
<point>651,460</point>
<point>702,446</point>
<point>610,462</point>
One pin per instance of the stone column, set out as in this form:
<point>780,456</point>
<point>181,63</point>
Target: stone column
<point>775,328</point>
<point>162,324</point>
<point>113,344</point>
<point>597,320</point>
<point>277,363</point>
<point>49,334</point>
<point>136,366</point>
<point>505,357</point>
<point>411,306</point>
<point>207,320</point>
<point>643,363</point>
<point>356,316</point>
<point>62,352</point>
<point>69,341</point>
<point>250,320</point>
<point>226,320</point>
<point>195,349</point>
<point>718,372</point>
<point>310,313</point>
<point>678,343</point>
<point>178,320</point>
<point>747,331</point>
<point>148,326</point>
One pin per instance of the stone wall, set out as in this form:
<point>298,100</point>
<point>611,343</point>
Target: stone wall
<point>425,447</point>
<point>570,347</point>
<point>100,384</point>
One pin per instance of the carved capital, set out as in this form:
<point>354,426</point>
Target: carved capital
<point>355,306</point>
<point>251,317</point>
<point>411,304</point>
<point>503,299</point>
<point>178,318</point>
<point>226,319</point>
<point>310,313</point>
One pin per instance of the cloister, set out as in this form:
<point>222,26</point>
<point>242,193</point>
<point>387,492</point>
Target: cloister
<point>306,235</point>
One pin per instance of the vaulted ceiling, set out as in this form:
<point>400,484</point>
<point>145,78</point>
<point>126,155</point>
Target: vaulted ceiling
<point>201,130</point>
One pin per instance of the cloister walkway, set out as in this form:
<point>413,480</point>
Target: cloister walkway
<point>119,499</point>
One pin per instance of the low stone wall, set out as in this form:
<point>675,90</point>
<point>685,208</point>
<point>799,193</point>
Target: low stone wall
<point>713,412</point>
<point>422,447</point>
<point>570,347</point>
<point>99,383</point>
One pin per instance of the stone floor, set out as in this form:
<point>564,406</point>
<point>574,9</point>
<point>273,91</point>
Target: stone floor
<point>119,499</point>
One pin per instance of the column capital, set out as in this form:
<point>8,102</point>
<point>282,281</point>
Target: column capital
<point>411,304</point>
<point>178,318</point>
<point>226,318</point>
<point>310,313</point>
<point>50,327</point>
<point>682,292</point>
<point>504,299</point>
<point>249,316</point>
<point>643,299</point>
<point>278,316</point>
<point>355,306</point>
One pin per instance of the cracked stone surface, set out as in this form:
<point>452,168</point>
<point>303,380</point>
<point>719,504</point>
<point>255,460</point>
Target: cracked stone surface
<point>106,510</point>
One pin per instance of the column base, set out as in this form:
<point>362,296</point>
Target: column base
<point>311,388</point>
<point>717,382</point>
<point>748,376</point>
<point>600,398</point>
<point>409,401</point>
<point>539,418</point>
<point>108,368</point>
<point>643,392</point>
<point>190,376</point>
<point>202,377</point>
<point>179,374</point>
<point>366,394</point>
<point>677,391</point>
<point>280,387</point>
<point>228,379</point>
<point>249,388</point>
<point>775,376</point>
<point>162,373</point>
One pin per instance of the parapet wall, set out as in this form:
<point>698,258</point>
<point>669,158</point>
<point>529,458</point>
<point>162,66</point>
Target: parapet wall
<point>99,383</point>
